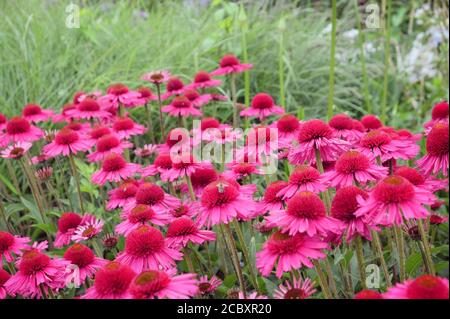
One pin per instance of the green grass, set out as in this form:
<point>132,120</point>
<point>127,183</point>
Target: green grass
<point>42,61</point>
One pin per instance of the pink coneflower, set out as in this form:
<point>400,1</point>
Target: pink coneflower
<point>264,227</point>
<point>179,140</point>
<point>156,77</point>
<point>114,169</point>
<point>81,128</point>
<point>436,219</point>
<point>3,121</point>
<point>4,276</point>
<point>44,173</point>
<point>185,165</point>
<point>19,129</point>
<point>430,183</point>
<point>316,135</point>
<point>439,114</point>
<point>125,128</point>
<point>174,86</point>
<point>271,201</point>
<point>120,94</point>
<point>85,263</point>
<point>185,209</point>
<point>288,252</point>
<point>262,106</point>
<point>203,80</point>
<point>181,106</point>
<point>436,160</point>
<point>343,127</point>
<point>10,245</point>
<point>155,284</point>
<point>203,177</point>
<point>16,151</point>
<point>67,224</point>
<point>146,95</point>
<point>371,122</point>
<point>37,274</point>
<point>352,166</point>
<point>111,282</point>
<point>138,216</point>
<point>81,96</point>
<point>368,294</point>
<point>155,197</point>
<point>254,295</point>
<point>303,178</point>
<point>230,64</point>
<point>161,165</point>
<point>196,99</point>
<point>39,159</point>
<point>222,135</point>
<point>34,113</point>
<point>219,97</point>
<point>299,289</point>
<point>221,202</point>
<point>98,132</point>
<point>146,248</point>
<point>67,142</point>
<point>238,171</point>
<point>343,208</point>
<point>358,126</point>
<point>183,230</point>
<point>145,151</point>
<point>88,109</point>
<point>122,195</point>
<point>106,145</point>
<point>305,213</point>
<point>377,143</point>
<point>393,199</point>
<point>423,287</point>
<point>261,141</point>
<point>404,134</point>
<point>89,227</point>
<point>288,127</point>
<point>247,190</point>
<point>208,286</point>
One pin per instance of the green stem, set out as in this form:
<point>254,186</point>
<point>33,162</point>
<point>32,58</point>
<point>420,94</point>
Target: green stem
<point>191,188</point>
<point>161,121</point>
<point>332,60</point>
<point>189,261</point>
<point>326,193</point>
<point>387,45</point>
<point>34,189</point>
<point>77,180</point>
<point>234,100</point>
<point>363,60</point>
<point>234,256</point>
<point>281,70</point>
<point>379,252</point>
<point>331,281</point>
<point>150,123</point>
<point>12,173</point>
<point>361,263</point>
<point>401,252</point>
<point>322,280</point>
<point>241,239</point>
<point>5,219</point>
<point>426,245</point>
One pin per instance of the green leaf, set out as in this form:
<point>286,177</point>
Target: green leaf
<point>31,206</point>
<point>230,280</point>
<point>8,184</point>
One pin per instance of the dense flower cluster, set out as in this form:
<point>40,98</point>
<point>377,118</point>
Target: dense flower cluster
<point>165,211</point>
